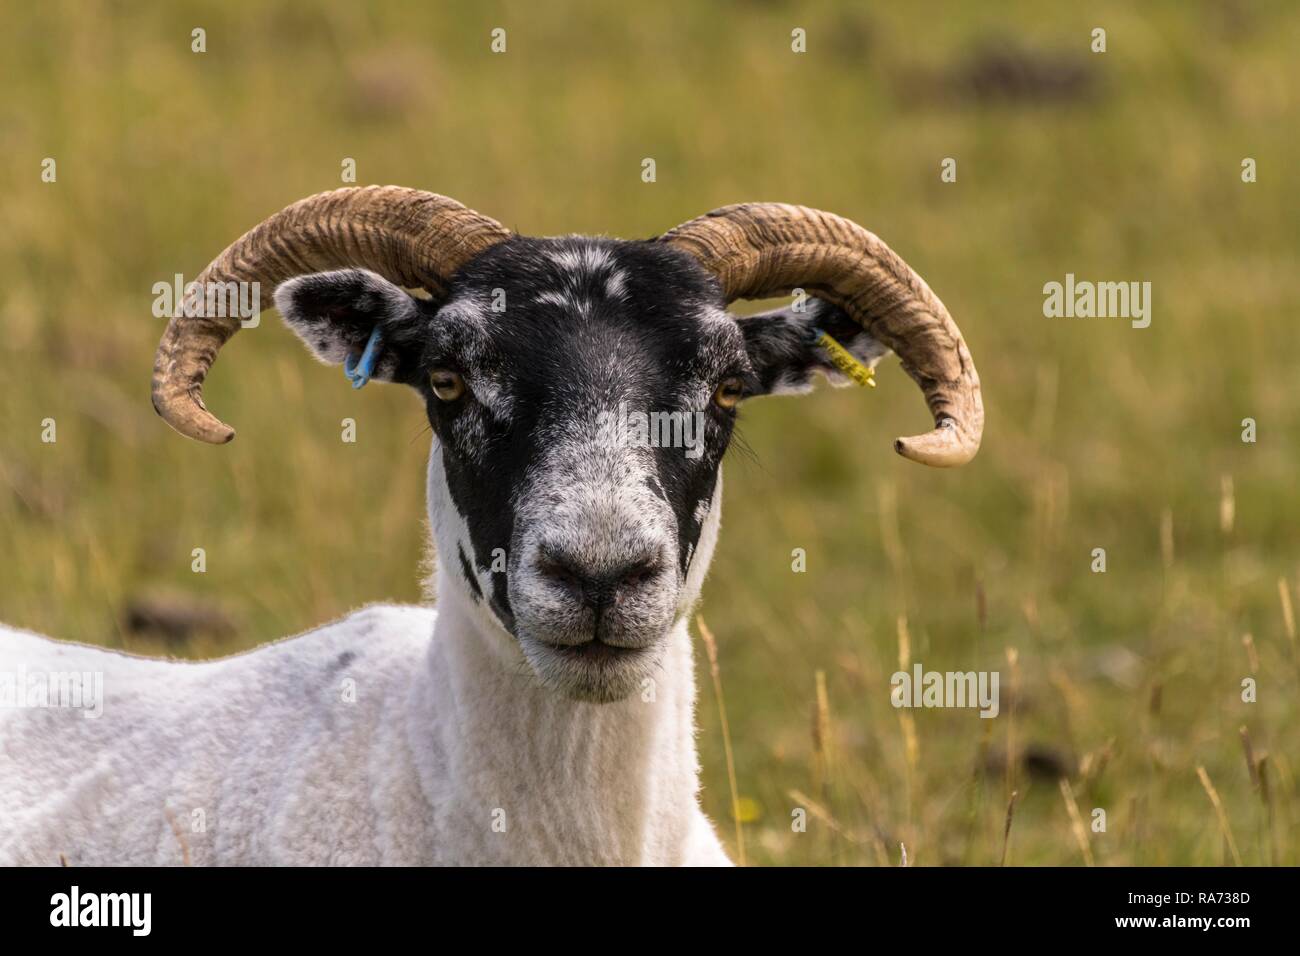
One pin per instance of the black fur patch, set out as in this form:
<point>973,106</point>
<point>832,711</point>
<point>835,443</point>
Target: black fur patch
<point>781,347</point>
<point>467,570</point>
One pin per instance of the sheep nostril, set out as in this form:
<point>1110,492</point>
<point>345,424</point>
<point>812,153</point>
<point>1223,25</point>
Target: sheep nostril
<point>639,573</point>
<point>560,572</point>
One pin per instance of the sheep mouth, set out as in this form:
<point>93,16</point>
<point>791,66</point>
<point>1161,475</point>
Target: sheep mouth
<point>594,670</point>
<point>597,652</point>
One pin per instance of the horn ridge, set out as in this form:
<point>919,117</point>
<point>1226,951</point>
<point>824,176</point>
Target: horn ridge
<point>409,236</point>
<point>760,250</point>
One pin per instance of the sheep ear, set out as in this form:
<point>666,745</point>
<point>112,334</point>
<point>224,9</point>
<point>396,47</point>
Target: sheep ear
<point>353,315</point>
<point>784,352</point>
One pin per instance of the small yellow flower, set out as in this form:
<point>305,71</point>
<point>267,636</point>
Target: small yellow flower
<point>748,809</point>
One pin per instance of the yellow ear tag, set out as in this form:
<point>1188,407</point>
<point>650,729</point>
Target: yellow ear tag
<point>843,360</point>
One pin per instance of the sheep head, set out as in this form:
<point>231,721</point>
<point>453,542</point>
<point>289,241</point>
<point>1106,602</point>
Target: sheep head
<point>582,391</point>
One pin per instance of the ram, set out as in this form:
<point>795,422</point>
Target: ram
<point>545,712</point>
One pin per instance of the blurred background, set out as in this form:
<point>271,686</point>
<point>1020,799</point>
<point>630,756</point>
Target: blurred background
<point>1116,166</point>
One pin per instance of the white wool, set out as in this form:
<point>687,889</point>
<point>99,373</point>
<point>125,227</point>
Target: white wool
<point>396,735</point>
<point>419,749</point>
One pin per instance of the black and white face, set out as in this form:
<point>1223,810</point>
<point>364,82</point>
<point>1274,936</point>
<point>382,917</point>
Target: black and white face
<point>582,393</point>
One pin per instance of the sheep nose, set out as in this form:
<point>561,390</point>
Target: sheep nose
<point>597,590</point>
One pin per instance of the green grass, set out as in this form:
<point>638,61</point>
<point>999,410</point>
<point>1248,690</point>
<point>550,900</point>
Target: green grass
<point>1095,429</point>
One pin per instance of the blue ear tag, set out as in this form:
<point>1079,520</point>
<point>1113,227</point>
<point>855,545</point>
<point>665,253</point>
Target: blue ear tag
<point>359,371</point>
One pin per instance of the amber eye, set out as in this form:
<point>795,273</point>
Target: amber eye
<point>729,393</point>
<point>446,384</point>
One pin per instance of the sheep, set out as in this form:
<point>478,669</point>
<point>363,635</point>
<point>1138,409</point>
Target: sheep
<point>544,712</point>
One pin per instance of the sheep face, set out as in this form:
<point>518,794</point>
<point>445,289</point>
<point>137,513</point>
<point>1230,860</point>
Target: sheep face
<point>582,393</point>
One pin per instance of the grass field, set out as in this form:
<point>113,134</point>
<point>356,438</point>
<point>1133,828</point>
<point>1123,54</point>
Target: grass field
<point>1116,166</point>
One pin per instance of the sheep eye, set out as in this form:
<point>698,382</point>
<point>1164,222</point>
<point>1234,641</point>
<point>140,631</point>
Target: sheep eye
<point>729,393</point>
<point>446,384</point>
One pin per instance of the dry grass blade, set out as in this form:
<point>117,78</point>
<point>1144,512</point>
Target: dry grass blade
<point>1221,813</point>
<point>912,745</point>
<point>1013,664</point>
<point>906,723</point>
<point>711,648</point>
<point>1167,539</point>
<point>1006,829</point>
<point>1227,505</point>
<point>1288,617</point>
<point>1265,795</point>
<point>1249,750</point>
<point>1076,821</point>
<point>821,732</point>
<point>1258,766</point>
<point>1252,655</point>
<point>822,813</point>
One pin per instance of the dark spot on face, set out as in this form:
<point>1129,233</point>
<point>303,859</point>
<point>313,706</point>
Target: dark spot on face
<point>500,602</point>
<point>467,570</point>
<point>342,661</point>
<point>653,484</point>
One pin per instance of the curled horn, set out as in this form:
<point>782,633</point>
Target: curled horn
<point>760,250</point>
<point>410,237</point>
